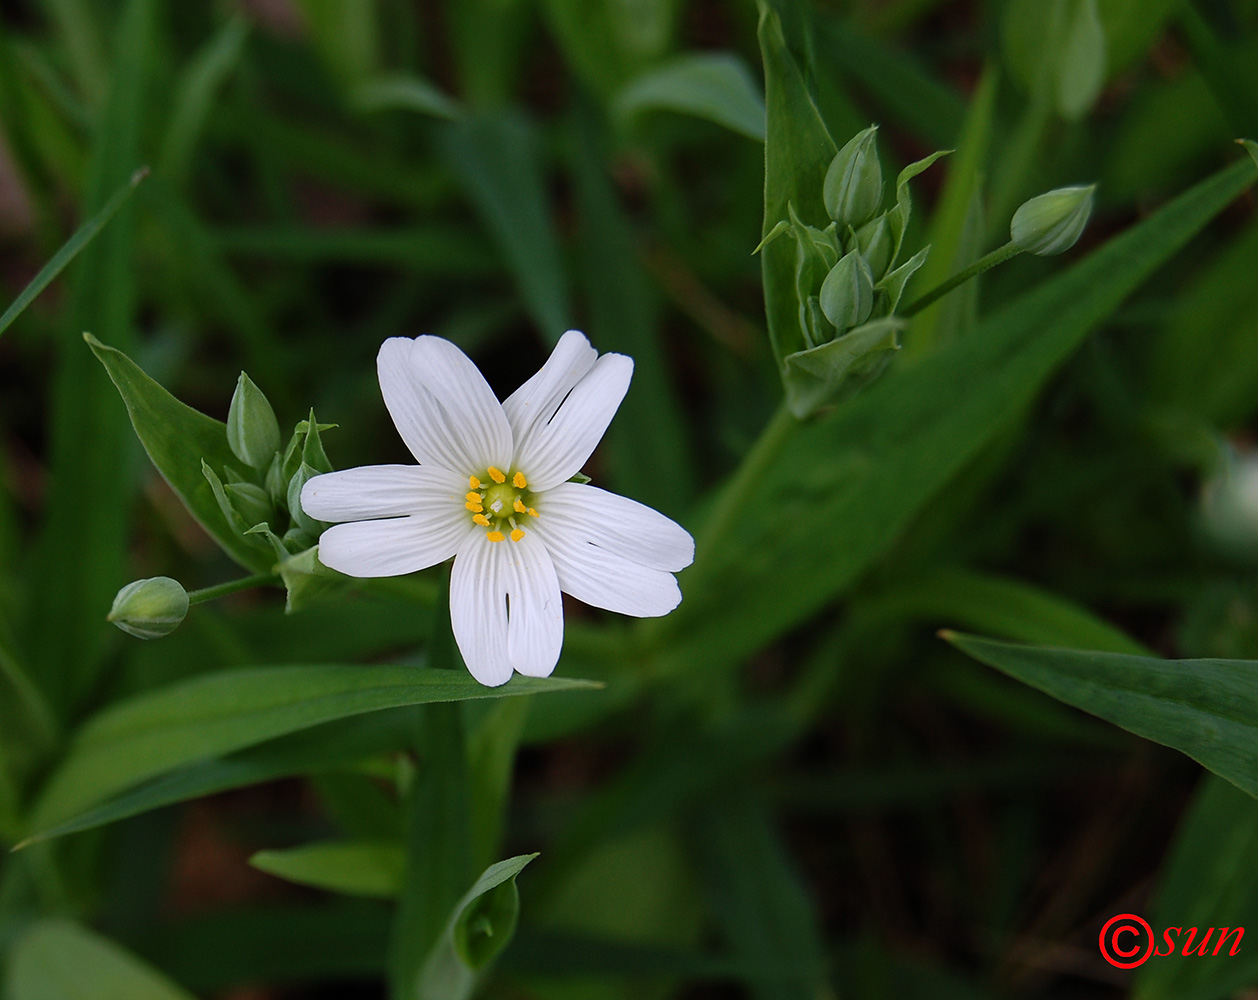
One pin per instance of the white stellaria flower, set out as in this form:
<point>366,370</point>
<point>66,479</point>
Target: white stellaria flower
<point>492,490</point>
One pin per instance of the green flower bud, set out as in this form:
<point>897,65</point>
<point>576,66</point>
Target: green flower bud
<point>253,433</point>
<point>1051,223</point>
<point>150,609</point>
<point>251,502</point>
<point>847,294</point>
<point>853,185</point>
<point>300,518</point>
<point>876,244</point>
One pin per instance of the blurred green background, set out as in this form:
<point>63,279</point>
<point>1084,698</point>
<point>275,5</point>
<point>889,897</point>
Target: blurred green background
<point>800,793</point>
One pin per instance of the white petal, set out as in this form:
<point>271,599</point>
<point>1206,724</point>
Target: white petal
<point>393,546</point>
<point>442,405</point>
<point>382,491</point>
<point>552,452</point>
<point>617,524</point>
<point>535,607</point>
<point>536,401</point>
<point>605,579</point>
<point>478,609</point>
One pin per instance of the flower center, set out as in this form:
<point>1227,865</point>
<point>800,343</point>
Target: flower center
<point>497,500</point>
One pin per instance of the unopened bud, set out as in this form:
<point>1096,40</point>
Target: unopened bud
<point>150,609</point>
<point>853,185</point>
<point>252,502</point>
<point>847,294</point>
<point>253,433</point>
<point>1051,223</point>
<point>876,244</point>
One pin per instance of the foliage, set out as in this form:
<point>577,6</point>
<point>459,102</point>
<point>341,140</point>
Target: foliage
<point>211,215</point>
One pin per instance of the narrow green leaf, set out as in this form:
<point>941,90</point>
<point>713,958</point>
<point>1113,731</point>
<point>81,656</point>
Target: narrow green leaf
<point>59,960</point>
<point>321,748</point>
<point>499,163</point>
<point>645,445</point>
<point>867,470</point>
<point>1207,709</point>
<point>180,440</point>
<point>70,249</point>
<point>194,95</point>
<point>480,927</point>
<point>950,223</point>
<point>82,543</point>
<point>406,93</point>
<point>797,154</point>
<point>759,902</point>
<point>209,716</point>
<point>1208,880</point>
<point>712,85</point>
<point>350,867</point>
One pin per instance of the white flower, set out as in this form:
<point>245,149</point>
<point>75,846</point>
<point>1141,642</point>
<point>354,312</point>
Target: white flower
<point>491,489</point>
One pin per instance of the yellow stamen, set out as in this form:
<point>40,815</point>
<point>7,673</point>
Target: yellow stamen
<point>516,534</point>
<point>518,481</point>
<point>495,536</point>
<point>519,506</point>
<point>496,475</point>
<point>473,506</point>
<point>532,512</point>
<point>473,482</point>
<point>482,520</point>
<point>474,498</point>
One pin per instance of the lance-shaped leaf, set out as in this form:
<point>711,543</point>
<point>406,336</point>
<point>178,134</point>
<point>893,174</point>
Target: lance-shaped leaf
<point>59,960</point>
<point>1207,709</point>
<point>352,867</point>
<point>216,714</point>
<point>180,440</point>
<point>480,927</point>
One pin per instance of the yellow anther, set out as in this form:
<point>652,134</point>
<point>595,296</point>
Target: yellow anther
<point>518,481</point>
<point>482,520</point>
<point>473,498</point>
<point>495,536</point>
<point>496,475</point>
<point>516,534</point>
<point>519,506</point>
<point>473,482</point>
<point>532,512</point>
<point>471,505</point>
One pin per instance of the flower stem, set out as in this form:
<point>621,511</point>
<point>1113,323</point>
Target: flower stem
<point>729,505</point>
<point>986,263</point>
<point>223,589</point>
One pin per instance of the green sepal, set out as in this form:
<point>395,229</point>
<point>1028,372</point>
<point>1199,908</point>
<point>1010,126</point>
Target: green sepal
<point>300,518</point>
<point>238,525</point>
<point>841,368</point>
<point>312,452</point>
<point>892,286</point>
<point>874,241</point>
<point>898,216</point>
<point>580,478</point>
<point>306,580</point>
<point>251,501</point>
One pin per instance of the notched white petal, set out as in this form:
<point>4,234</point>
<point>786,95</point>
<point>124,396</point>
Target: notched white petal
<point>478,609</point>
<point>604,579</point>
<point>441,405</point>
<point>554,451</point>
<point>536,401</point>
<point>535,607</point>
<point>394,546</point>
<point>620,525</point>
<point>381,491</point>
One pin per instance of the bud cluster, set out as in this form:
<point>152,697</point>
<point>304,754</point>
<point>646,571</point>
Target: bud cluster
<point>848,279</point>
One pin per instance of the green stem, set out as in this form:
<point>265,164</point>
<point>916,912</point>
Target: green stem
<point>985,263</point>
<point>231,587</point>
<point>729,505</point>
